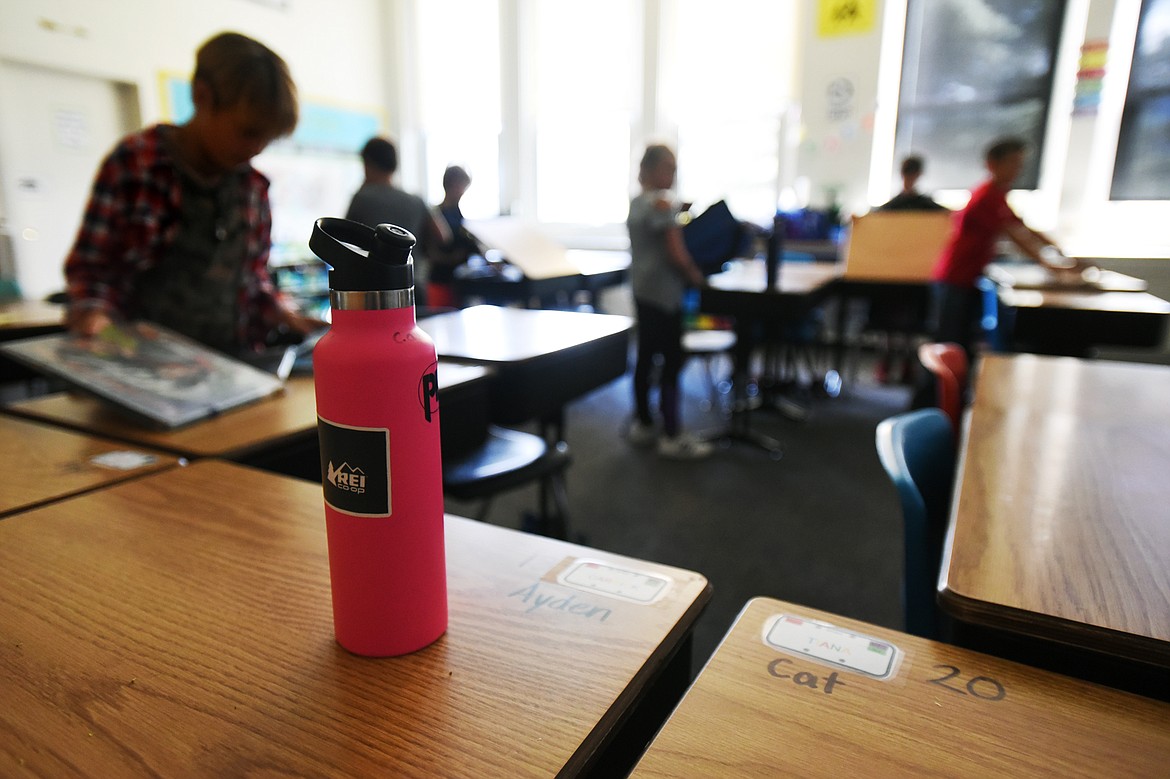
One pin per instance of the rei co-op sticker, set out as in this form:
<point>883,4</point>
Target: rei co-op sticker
<point>596,576</point>
<point>833,645</point>
<point>355,462</point>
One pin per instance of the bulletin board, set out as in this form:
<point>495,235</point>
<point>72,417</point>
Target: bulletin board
<point>321,126</point>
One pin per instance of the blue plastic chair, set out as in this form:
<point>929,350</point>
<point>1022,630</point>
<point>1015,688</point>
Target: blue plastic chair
<point>917,449</point>
<point>995,322</point>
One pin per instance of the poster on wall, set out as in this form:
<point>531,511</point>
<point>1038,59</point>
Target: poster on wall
<point>320,127</point>
<point>1090,78</point>
<point>845,17</point>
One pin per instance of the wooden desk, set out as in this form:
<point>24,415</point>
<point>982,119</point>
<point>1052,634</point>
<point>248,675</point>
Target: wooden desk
<point>1029,275</point>
<point>42,463</point>
<point>542,359</point>
<point>180,625</point>
<point>234,434</point>
<point>758,710</point>
<point>25,318</point>
<point>1059,524</point>
<point>741,290</point>
<point>762,318</point>
<point>1040,312</point>
<point>588,271</point>
<point>278,433</point>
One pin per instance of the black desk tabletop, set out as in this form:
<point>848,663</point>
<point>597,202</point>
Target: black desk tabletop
<point>493,334</point>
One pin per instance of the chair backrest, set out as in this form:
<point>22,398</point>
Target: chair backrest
<point>948,363</point>
<point>917,449</point>
<point>896,245</point>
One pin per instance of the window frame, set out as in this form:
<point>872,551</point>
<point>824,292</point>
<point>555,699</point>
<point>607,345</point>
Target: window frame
<point>1033,176</point>
<point>1136,98</point>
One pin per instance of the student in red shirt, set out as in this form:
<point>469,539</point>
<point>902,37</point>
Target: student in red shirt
<point>972,245</point>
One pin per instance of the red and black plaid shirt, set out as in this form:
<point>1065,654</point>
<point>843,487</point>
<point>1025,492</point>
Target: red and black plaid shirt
<point>133,216</point>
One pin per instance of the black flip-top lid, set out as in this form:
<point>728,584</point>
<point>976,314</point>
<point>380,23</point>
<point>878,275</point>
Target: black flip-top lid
<point>362,258</point>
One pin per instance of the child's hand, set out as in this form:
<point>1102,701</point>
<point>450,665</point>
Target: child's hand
<point>87,322</point>
<point>302,325</point>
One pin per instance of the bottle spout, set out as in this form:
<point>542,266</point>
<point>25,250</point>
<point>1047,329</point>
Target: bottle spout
<point>362,258</point>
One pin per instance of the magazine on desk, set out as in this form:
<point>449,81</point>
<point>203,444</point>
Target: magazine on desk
<point>147,371</point>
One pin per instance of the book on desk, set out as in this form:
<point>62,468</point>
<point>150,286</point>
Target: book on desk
<point>147,372</point>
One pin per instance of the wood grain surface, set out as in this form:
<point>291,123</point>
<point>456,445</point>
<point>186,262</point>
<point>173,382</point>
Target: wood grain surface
<point>180,625</point>
<point>1140,303</point>
<point>42,463</point>
<point>794,278</point>
<point>1059,524</point>
<point>1029,275</point>
<point>19,315</point>
<point>758,711</point>
<point>266,422</point>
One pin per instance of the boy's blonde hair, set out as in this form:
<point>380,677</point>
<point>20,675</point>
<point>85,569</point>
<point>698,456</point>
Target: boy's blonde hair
<point>239,69</point>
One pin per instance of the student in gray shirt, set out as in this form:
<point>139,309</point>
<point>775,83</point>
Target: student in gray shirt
<point>378,201</point>
<point>660,270</point>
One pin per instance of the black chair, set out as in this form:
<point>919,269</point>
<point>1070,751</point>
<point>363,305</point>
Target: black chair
<point>917,449</point>
<point>509,459</point>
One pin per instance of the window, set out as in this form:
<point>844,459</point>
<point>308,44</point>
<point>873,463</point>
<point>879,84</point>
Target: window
<point>549,103</point>
<point>459,68</point>
<point>586,73</point>
<point>972,71</point>
<point>725,86</point>
<point>1142,169</point>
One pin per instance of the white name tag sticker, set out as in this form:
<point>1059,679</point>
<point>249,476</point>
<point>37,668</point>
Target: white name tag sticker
<point>833,645</point>
<point>616,582</point>
<point>124,460</point>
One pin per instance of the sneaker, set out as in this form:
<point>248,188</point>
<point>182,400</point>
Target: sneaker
<point>640,434</point>
<point>683,447</point>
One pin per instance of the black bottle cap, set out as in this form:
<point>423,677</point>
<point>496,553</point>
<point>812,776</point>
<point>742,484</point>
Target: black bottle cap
<point>362,258</point>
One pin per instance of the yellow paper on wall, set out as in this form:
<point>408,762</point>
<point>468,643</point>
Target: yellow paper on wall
<point>845,17</point>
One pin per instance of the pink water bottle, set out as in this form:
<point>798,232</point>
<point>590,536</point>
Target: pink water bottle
<point>378,423</point>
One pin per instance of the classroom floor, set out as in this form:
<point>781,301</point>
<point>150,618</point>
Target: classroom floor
<point>820,527</point>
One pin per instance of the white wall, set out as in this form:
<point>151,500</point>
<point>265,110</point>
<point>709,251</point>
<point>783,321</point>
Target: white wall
<point>838,96</point>
<point>334,49</point>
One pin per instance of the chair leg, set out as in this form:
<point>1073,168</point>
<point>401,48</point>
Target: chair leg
<point>557,522</point>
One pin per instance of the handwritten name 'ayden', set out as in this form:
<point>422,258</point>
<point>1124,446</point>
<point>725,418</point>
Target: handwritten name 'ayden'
<point>536,599</point>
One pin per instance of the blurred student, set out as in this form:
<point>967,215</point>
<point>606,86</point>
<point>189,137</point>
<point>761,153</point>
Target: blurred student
<point>661,269</point>
<point>378,201</point>
<point>976,230</point>
<point>895,316</point>
<point>177,229</point>
<point>462,245</point>
<point>910,199</point>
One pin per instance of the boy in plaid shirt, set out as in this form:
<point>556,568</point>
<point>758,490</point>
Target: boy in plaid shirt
<point>177,229</point>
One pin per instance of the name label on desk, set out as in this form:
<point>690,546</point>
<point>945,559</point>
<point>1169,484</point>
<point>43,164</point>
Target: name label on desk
<point>833,646</point>
<point>616,582</point>
<point>537,598</point>
<point>124,460</point>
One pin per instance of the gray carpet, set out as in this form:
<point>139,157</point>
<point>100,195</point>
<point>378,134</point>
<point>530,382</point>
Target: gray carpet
<point>820,527</point>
